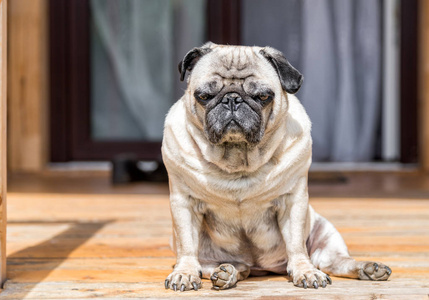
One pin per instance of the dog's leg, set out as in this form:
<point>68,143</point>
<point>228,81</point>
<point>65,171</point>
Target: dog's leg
<point>294,225</point>
<point>226,275</point>
<point>186,227</point>
<point>329,253</point>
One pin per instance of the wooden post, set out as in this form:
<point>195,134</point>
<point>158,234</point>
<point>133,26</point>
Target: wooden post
<point>27,85</point>
<point>3,82</point>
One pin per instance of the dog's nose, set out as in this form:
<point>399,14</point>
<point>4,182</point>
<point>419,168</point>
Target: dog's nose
<point>232,101</point>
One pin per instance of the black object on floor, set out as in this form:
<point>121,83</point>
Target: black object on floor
<point>127,168</point>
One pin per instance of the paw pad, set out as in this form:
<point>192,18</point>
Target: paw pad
<point>375,271</point>
<point>223,277</point>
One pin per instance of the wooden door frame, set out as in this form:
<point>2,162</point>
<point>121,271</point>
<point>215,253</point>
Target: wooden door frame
<point>70,90</point>
<point>409,82</point>
<point>223,21</point>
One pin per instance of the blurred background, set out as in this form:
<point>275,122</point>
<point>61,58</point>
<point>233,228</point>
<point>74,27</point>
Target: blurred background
<point>93,79</point>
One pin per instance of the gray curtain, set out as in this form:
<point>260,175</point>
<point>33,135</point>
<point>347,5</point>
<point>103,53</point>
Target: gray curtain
<point>135,48</point>
<point>336,44</point>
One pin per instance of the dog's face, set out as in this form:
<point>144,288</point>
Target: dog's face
<point>233,91</point>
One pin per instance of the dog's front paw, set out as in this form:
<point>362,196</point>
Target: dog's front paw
<point>183,280</point>
<point>305,275</point>
<point>224,277</point>
<point>374,271</point>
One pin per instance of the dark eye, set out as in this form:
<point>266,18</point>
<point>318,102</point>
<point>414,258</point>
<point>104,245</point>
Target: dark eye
<point>264,97</point>
<point>203,96</point>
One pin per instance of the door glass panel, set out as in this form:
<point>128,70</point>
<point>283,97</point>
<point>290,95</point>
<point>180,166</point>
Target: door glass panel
<point>135,48</point>
<point>337,47</point>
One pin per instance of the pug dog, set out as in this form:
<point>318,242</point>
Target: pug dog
<point>237,148</point>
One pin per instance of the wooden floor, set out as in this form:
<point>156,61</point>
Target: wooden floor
<point>78,237</point>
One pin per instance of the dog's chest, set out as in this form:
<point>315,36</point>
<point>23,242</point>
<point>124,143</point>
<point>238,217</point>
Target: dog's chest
<point>256,189</point>
<point>245,223</point>
<point>247,232</point>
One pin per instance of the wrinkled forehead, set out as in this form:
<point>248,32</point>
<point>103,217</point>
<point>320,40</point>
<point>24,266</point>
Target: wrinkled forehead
<point>233,64</point>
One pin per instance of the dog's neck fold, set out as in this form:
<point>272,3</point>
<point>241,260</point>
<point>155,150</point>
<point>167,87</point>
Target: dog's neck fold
<point>242,157</point>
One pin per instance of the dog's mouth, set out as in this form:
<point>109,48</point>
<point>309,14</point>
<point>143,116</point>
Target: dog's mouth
<point>233,133</point>
<point>234,130</point>
<point>233,127</point>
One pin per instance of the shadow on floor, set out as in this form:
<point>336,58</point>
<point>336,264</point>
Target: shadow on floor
<point>48,255</point>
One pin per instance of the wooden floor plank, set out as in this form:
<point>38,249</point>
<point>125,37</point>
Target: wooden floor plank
<point>117,246</point>
<point>250,289</point>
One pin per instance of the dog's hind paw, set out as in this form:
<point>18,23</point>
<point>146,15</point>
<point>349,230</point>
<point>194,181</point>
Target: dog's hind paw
<point>374,271</point>
<point>224,277</point>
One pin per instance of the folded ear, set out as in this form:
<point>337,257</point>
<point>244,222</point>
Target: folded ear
<point>290,78</point>
<point>191,58</point>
